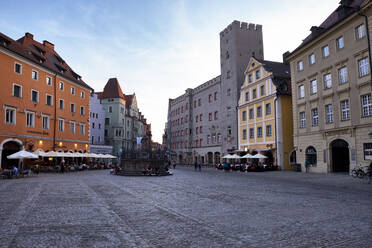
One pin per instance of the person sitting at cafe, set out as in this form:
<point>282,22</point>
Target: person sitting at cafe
<point>15,171</point>
<point>149,170</point>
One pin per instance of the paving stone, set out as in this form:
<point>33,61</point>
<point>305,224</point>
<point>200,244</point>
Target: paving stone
<point>210,208</point>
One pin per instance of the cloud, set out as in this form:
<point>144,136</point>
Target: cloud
<point>159,48</point>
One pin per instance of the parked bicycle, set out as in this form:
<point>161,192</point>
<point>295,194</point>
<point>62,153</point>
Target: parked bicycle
<point>359,171</point>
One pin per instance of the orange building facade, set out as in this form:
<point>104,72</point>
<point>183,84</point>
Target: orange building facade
<point>44,103</point>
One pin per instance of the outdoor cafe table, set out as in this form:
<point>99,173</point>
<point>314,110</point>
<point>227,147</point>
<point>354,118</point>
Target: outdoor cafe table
<point>7,173</point>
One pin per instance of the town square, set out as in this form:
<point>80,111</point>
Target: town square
<point>210,208</point>
<point>186,123</point>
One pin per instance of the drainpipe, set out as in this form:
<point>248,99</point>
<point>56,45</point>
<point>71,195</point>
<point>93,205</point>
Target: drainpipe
<point>55,111</point>
<point>368,40</point>
<point>276,133</point>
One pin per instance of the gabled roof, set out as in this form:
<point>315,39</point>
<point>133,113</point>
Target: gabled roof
<point>112,90</point>
<point>346,8</point>
<point>128,100</point>
<point>42,54</point>
<point>281,76</point>
<point>277,68</point>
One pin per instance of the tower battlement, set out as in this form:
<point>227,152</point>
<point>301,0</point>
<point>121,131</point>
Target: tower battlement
<point>237,25</point>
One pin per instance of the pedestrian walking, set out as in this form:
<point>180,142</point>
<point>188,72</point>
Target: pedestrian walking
<point>174,165</point>
<point>200,165</point>
<point>306,166</point>
<point>196,165</point>
<point>37,169</point>
<point>15,171</point>
<point>63,166</point>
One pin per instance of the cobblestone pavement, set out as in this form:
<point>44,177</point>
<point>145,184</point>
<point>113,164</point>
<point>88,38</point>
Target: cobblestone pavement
<point>189,209</point>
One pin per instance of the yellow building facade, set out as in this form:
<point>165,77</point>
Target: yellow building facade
<point>265,111</point>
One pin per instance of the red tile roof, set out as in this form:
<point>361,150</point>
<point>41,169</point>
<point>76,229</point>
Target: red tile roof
<point>112,90</point>
<point>128,100</point>
<point>99,95</point>
<point>42,54</point>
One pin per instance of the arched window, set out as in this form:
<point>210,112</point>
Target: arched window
<point>311,155</point>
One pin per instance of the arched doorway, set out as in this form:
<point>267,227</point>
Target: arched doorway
<point>340,156</point>
<point>311,156</point>
<point>210,158</point>
<point>8,148</point>
<point>180,159</point>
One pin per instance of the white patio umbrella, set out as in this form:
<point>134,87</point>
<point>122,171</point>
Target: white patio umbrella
<point>80,155</point>
<point>93,155</point>
<point>85,155</point>
<point>52,154</point>
<point>68,154</point>
<point>61,154</point>
<point>108,156</point>
<point>247,156</point>
<point>21,155</point>
<point>40,153</point>
<point>227,156</point>
<point>258,155</point>
<point>235,156</point>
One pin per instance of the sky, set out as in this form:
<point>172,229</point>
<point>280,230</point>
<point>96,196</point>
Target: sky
<point>156,48</point>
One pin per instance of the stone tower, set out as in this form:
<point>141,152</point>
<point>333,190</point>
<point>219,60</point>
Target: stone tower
<point>238,42</point>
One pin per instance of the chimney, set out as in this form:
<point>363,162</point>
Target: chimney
<point>315,31</point>
<point>29,36</point>
<point>285,55</point>
<point>344,9</point>
<point>48,44</point>
<point>345,3</point>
